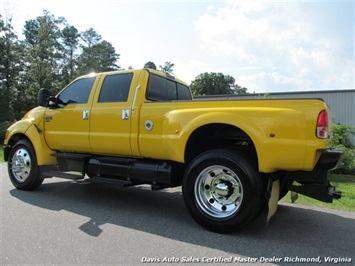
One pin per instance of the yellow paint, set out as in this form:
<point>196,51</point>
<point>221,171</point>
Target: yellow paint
<point>31,126</point>
<point>294,145</point>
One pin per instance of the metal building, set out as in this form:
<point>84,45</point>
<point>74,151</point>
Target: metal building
<point>340,102</point>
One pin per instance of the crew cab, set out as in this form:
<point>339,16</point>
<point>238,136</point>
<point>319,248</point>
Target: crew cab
<point>233,159</point>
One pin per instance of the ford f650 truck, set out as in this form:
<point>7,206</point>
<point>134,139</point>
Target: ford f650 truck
<point>233,159</point>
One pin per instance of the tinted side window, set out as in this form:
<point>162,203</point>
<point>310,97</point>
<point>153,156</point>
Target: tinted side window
<point>183,92</point>
<point>171,91</point>
<point>115,88</point>
<point>77,92</point>
<point>156,88</point>
<point>162,89</point>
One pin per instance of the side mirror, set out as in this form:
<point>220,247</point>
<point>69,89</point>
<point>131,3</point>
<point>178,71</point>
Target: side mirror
<point>52,102</point>
<point>42,97</point>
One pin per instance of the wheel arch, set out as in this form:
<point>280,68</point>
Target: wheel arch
<point>12,141</point>
<point>219,135</point>
<point>35,137</point>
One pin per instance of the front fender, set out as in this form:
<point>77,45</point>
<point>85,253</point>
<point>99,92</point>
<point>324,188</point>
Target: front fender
<point>25,129</point>
<point>43,152</point>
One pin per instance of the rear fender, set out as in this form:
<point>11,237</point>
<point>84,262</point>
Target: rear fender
<point>202,119</point>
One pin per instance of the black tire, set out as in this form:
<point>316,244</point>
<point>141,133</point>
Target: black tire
<point>22,166</point>
<point>223,190</point>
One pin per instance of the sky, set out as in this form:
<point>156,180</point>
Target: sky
<point>267,46</point>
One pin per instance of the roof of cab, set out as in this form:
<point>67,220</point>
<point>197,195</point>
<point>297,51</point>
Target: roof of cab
<point>150,70</point>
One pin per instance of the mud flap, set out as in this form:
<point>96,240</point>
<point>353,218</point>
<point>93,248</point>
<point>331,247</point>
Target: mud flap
<point>273,200</point>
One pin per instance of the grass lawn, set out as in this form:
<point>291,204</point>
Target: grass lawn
<point>343,183</point>
<point>1,154</point>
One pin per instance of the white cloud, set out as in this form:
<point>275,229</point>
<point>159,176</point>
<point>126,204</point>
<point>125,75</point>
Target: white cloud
<point>264,45</point>
<point>187,71</point>
<point>273,82</point>
<point>291,46</point>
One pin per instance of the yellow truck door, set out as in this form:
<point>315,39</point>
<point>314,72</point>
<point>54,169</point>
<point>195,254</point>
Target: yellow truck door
<point>162,92</point>
<point>67,124</point>
<point>110,120</point>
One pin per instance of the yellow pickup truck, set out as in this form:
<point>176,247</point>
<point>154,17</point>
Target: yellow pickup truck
<point>233,159</point>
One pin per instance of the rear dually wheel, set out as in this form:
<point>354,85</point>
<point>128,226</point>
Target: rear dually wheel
<point>223,190</point>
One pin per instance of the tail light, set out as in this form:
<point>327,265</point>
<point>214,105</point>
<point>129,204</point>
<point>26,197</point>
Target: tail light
<point>322,125</point>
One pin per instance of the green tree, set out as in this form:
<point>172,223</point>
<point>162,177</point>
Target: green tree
<point>341,140</point>
<point>90,37</point>
<point>3,97</point>
<point>11,65</point>
<point>240,90</point>
<point>167,68</point>
<point>70,37</point>
<point>86,61</point>
<point>215,83</point>
<point>31,29</point>
<point>150,64</point>
<point>43,51</point>
<point>97,55</point>
<point>48,57</point>
<point>106,56</point>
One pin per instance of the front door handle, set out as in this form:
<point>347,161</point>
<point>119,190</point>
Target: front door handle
<point>85,114</point>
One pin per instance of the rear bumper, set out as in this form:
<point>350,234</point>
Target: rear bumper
<point>315,184</point>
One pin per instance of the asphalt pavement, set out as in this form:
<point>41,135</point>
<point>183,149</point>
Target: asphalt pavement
<point>79,223</point>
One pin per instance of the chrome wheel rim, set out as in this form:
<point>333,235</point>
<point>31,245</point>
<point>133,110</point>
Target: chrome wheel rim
<point>218,191</point>
<point>21,165</point>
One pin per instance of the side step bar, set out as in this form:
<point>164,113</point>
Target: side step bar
<point>63,175</point>
<point>76,156</point>
<point>70,176</point>
<point>119,171</point>
<point>117,182</point>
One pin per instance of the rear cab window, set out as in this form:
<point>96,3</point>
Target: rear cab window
<point>164,89</point>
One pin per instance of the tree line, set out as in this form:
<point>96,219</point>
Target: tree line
<point>53,53</point>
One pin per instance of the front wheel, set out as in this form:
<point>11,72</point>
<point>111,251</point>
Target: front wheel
<point>22,166</point>
<point>223,190</point>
